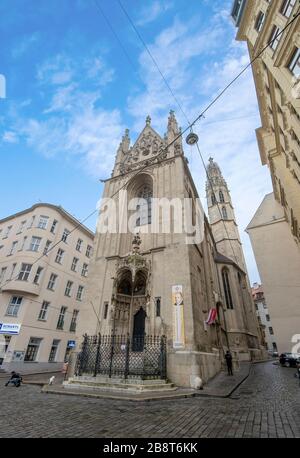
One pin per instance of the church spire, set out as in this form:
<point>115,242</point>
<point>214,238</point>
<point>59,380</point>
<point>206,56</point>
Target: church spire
<point>122,151</point>
<point>173,132</point>
<point>221,215</point>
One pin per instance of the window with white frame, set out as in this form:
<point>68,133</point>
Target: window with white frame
<point>14,305</point>
<point>89,250</point>
<point>2,273</point>
<point>294,63</point>
<point>79,245</point>
<point>65,235</point>
<point>74,264</point>
<point>53,351</point>
<point>59,256</point>
<point>13,269</point>
<point>53,227</point>
<point>79,293</point>
<point>21,228</point>
<point>47,247</point>
<point>24,272</point>
<point>275,37</point>
<point>35,243</point>
<point>61,318</point>
<point>85,269</point>
<point>23,243</point>
<point>33,349</point>
<point>287,7</point>
<point>13,248</point>
<point>38,275</point>
<point>43,222</point>
<point>31,222</point>
<point>44,311</point>
<point>68,288</point>
<point>7,232</point>
<point>259,21</point>
<point>52,282</point>
<point>74,320</point>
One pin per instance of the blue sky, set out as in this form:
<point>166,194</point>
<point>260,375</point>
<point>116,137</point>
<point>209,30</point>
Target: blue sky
<point>72,90</point>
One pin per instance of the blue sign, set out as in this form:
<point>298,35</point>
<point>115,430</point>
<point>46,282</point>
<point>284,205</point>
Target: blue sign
<point>71,343</point>
<point>10,328</point>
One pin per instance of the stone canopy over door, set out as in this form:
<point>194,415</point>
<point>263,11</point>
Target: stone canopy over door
<point>131,294</point>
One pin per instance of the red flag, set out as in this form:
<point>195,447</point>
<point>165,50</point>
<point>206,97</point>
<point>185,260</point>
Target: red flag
<point>212,315</point>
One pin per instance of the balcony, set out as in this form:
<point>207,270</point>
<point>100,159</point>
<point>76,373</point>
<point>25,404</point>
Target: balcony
<point>19,286</point>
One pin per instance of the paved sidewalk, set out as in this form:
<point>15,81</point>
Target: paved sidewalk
<point>220,386</point>
<point>267,404</point>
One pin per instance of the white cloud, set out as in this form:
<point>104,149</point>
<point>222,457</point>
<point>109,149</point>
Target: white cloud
<point>24,44</point>
<point>73,124</point>
<point>10,137</point>
<point>90,138</point>
<point>151,12</point>
<point>174,50</point>
<point>56,70</point>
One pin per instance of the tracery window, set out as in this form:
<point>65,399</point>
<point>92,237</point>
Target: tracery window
<point>224,213</point>
<point>145,206</point>
<point>227,290</point>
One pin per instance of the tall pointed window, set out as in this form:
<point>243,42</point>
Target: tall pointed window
<point>224,213</point>
<point>213,199</point>
<point>145,206</point>
<point>141,190</point>
<point>227,290</point>
<point>221,196</point>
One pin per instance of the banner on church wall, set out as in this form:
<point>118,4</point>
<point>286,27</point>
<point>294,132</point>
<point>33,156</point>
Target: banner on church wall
<point>178,317</point>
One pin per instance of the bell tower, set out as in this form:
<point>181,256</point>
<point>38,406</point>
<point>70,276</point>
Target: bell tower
<point>222,217</point>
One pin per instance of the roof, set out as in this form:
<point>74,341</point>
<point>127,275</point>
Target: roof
<point>59,209</point>
<point>269,212</point>
<point>221,259</point>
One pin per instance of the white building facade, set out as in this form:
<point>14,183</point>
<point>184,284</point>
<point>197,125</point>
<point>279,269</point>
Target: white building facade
<point>263,313</point>
<point>44,259</point>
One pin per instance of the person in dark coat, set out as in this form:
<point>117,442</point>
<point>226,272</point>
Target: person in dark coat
<point>15,379</point>
<point>228,359</point>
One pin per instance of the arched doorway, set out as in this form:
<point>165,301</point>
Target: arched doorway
<point>138,334</point>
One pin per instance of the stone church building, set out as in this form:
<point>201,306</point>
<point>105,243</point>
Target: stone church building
<point>155,284</point>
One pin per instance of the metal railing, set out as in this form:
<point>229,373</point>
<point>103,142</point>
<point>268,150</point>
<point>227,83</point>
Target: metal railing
<point>121,356</point>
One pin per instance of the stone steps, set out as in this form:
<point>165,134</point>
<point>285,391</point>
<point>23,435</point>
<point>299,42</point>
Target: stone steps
<point>117,380</point>
<point>118,385</point>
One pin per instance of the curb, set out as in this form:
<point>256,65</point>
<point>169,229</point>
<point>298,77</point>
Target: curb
<point>114,397</point>
<point>118,398</point>
<point>5,374</point>
<point>33,382</point>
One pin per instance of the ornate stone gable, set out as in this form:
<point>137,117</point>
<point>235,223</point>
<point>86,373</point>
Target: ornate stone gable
<point>148,145</point>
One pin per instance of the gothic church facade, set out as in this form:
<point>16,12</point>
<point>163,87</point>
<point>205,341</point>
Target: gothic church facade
<point>134,289</point>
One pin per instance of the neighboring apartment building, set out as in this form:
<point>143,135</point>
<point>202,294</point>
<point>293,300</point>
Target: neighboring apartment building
<point>279,268</point>
<point>264,316</point>
<point>275,228</point>
<point>277,79</point>
<point>44,259</point>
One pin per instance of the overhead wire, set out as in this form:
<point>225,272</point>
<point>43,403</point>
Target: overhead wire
<point>181,133</point>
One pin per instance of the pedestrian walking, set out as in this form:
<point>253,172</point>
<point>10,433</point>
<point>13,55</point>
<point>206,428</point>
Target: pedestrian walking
<point>15,379</point>
<point>228,359</point>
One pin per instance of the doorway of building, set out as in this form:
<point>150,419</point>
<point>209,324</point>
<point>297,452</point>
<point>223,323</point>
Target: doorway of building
<point>138,330</point>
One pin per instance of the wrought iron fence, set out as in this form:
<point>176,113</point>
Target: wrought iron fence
<point>122,356</point>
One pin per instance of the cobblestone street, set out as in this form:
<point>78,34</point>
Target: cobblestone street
<point>267,404</point>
